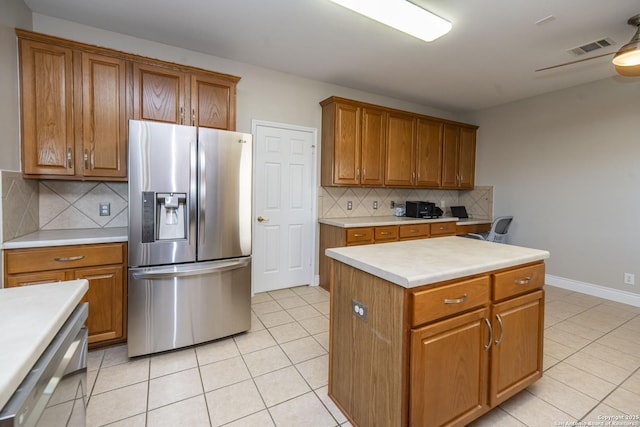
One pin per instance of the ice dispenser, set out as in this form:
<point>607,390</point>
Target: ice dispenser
<point>164,216</point>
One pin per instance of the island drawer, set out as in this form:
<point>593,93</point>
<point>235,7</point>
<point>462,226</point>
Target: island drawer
<point>414,231</point>
<point>62,257</point>
<point>444,301</point>
<point>359,236</point>
<point>386,233</point>
<point>517,281</point>
<point>443,229</point>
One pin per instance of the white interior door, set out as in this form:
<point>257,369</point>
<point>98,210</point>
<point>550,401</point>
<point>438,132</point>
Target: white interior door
<point>284,202</point>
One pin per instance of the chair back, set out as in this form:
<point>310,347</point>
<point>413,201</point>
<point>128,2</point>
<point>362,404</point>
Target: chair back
<point>499,229</point>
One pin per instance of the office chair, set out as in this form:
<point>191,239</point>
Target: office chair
<point>498,232</point>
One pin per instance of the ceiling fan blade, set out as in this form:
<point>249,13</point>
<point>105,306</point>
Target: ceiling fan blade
<point>575,62</point>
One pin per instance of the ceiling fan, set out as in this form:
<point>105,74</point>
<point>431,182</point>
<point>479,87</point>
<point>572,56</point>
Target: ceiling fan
<point>626,59</point>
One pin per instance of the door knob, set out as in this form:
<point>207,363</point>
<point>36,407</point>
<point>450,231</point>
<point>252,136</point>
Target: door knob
<point>261,219</point>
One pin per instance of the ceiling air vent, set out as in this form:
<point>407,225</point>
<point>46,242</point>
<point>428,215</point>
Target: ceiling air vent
<point>590,47</point>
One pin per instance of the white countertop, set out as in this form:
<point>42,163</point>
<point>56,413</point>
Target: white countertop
<point>31,317</point>
<point>414,263</point>
<point>373,221</point>
<point>81,236</point>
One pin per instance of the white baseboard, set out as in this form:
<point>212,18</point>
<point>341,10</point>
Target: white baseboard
<point>594,290</point>
<point>316,280</point>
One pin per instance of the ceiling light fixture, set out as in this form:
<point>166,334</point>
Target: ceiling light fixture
<point>629,54</point>
<point>401,15</point>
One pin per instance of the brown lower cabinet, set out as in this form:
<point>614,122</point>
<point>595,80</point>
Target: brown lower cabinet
<point>436,355</point>
<point>103,265</point>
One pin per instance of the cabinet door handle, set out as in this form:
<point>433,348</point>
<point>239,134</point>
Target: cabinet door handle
<point>384,233</point>
<point>488,346</point>
<point>358,173</point>
<point>499,340</point>
<point>456,301</point>
<point>193,117</point>
<point>413,230</point>
<point>69,158</point>
<point>69,258</point>
<point>181,115</point>
<point>524,281</point>
<point>86,159</point>
<point>358,235</point>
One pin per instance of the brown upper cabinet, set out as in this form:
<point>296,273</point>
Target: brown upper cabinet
<point>353,141</point>
<point>76,100</point>
<point>368,145</point>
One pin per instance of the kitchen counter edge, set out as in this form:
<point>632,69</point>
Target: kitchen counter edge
<point>45,238</point>
<point>352,222</point>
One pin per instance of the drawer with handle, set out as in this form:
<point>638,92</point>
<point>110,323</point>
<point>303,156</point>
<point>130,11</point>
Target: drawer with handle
<point>414,231</point>
<point>386,234</point>
<point>444,301</point>
<point>443,229</point>
<point>517,281</point>
<point>62,257</point>
<point>359,236</point>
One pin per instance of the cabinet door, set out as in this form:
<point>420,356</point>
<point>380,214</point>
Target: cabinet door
<point>346,150</point>
<point>28,279</point>
<point>449,371</point>
<point>467,158</point>
<point>516,358</point>
<point>106,302</point>
<point>400,166</point>
<point>374,124</point>
<point>429,153</point>
<point>159,94</point>
<point>47,109</point>
<point>450,141</point>
<point>104,117</point>
<point>213,102</point>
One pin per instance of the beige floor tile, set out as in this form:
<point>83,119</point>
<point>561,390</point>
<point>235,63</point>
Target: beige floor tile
<point>266,307</point>
<point>323,395</point>
<point>304,312</point>
<point>267,360</point>
<point>315,371</point>
<point>627,332</point>
<point>174,387</point>
<point>534,412</point>
<point>625,401</point>
<point>614,312</point>
<point>92,376</point>
<point>217,351</point>
<point>315,325</point>
<point>553,293</point>
<point>598,367</point>
<point>313,298</point>
<point>253,341</point>
<point>323,340</point>
<point>282,294</point>
<point>174,361</point>
<point>568,339</point>
<point>303,349</point>
<point>278,386</point>
<point>115,356</point>
<point>117,404</point>
<point>598,320</point>
<point>557,350</point>
<point>322,307</point>
<point>190,412</point>
<point>262,419</point>
<point>633,384</point>
<point>292,302</point>
<point>602,413</point>
<point>562,309</point>
<point>124,374</point>
<point>260,298</point>
<point>288,332</point>
<point>233,402</point>
<point>135,421</point>
<point>223,373</point>
<point>496,417</point>
<point>583,300</point>
<point>303,290</point>
<point>277,318</point>
<point>306,410</point>
<point>578,329</point>
<point>617,306</point>
<point>94,360</point>
<point>621,344</point>
<point>563,397</point>
<point>580,380</point>
<point>617,358</point>
<point>256,324</point>
<point>548,362</point>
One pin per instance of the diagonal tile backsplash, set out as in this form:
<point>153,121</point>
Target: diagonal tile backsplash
<point>19,205</point>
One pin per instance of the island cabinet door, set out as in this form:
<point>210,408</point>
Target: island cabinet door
<point>449,370</point>
<point>516,355</point>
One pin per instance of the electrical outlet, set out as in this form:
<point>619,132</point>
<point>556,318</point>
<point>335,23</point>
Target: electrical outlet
<point>629,278</point>
<point>393,204</point>
<point>359,309</point>
<point>375,204</point>
<point>349,205</point>
<point>105,209</point>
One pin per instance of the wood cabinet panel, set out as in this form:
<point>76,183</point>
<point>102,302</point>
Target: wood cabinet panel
<point>518,281</point>
<point>62,257</point>
<point>213,102</point>
<point>39,278</point>
<point>414,231</point>
<point>47,109</point>
<point>372,151</point>
<point>449,371</point>
<point>400,160</point>
<point>159,94</point>
<point>467,158</point>
<point>472,228</point>
<point>360,235</point>
<point>450,142</point>
<point>429,153</point>
<point>386,234</point>
<point>441,229</point>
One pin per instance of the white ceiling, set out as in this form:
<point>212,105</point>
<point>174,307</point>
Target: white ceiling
<point>487,59</point>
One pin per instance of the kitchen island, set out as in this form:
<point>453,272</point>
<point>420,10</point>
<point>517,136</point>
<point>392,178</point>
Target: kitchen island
<point>433,332</point>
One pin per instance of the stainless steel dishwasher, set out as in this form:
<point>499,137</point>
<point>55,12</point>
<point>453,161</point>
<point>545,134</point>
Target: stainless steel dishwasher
<point>54,392</point>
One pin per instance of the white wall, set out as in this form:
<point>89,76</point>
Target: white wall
<point>567,166</point>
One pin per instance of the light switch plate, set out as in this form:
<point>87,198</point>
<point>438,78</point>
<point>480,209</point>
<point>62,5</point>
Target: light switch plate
<point>105,209</point>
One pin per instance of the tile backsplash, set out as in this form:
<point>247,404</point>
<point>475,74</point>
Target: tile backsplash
<point>19,205</point>
<point>332,201</point>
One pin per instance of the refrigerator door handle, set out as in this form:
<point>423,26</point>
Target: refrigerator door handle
<point>218,266</point>
<point>203,194</point>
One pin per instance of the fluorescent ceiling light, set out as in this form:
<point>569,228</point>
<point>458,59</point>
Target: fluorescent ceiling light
<point>401,15</point>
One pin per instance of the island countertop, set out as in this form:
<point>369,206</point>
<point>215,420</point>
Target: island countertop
<point>426,261</point>
<point>31,317</point>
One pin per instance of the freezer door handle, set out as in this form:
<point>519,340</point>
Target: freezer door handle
<point>193,271</point>
<point>203,194</point>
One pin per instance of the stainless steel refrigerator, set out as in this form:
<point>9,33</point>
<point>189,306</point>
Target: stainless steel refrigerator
<point>189,235</point>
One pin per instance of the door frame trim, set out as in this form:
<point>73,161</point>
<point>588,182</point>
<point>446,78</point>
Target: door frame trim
<point>313,277</point>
